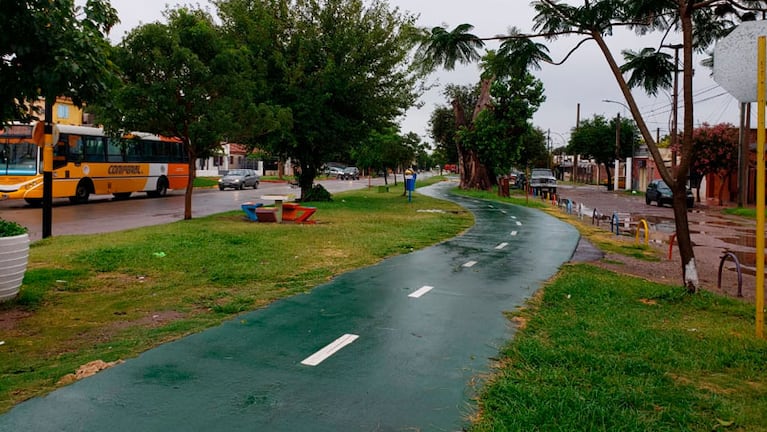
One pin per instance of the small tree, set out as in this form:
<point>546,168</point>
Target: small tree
<point>716,152</point>
<point>595,139</point>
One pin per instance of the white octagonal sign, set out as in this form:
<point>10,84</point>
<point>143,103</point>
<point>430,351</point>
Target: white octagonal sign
<point>735,60</point>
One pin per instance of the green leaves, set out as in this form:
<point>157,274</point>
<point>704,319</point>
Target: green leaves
<point>53,48</point>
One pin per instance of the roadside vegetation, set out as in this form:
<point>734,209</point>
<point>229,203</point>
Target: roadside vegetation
<point>747,212</point>
<point>598,351</point>
<point>112,296</point>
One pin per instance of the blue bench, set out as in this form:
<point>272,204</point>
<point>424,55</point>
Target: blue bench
<point>250,210</point>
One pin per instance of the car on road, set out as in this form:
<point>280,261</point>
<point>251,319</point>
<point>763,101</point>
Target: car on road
<point>349,173</point>
<point>334,171</point>
<point>239,179</point>
<point>659,192</point>
<point>542,180</point>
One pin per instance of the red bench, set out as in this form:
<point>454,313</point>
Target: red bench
<point>297,213</point>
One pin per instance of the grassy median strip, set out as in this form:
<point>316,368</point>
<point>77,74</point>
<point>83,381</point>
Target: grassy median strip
<point>112,296</point>
<point>602,352</point>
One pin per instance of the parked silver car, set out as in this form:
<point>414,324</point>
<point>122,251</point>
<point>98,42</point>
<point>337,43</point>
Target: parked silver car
<point>239,179</point>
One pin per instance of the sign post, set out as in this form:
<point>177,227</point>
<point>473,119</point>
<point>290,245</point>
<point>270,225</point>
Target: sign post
<point>742,73</point>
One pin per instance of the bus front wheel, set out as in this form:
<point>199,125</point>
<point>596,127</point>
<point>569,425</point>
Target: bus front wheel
<point>82,193</point>
<point>34,202</point>
<point>162,188</point>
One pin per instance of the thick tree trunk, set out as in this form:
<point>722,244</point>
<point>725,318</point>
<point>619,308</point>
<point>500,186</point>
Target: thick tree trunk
<point>473,173</point>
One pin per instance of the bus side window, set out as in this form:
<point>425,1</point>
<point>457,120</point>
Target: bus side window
<point>60,154</point>
<point>114,150</point>
<point>134,150</point>
<point>94,149</point>
<point>76,150</point>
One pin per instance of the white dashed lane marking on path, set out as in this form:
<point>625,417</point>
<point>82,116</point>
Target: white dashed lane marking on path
<point>423,290</point>
<point>502,245</point>
<point>519,223</point>
<point>513,233</point>
<point>329,350</point>
<point>470,264</point>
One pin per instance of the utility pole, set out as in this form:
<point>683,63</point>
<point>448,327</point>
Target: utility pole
<point>675,106</point>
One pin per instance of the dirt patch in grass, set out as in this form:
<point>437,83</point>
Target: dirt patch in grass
<point>9,319</point>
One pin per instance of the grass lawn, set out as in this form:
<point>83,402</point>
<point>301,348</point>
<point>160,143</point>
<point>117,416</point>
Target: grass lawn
<point>112,296</point>
<point>601,352</point>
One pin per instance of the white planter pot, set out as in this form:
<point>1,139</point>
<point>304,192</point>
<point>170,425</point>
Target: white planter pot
<point>14,254</point>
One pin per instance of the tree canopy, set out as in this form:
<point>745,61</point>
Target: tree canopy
<point>52,48</point>
<point>716,152</point>
<point>596,138</point>
<point>340,66</point>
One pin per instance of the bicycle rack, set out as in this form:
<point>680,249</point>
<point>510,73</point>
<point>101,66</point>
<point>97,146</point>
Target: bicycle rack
<point>737,267</point>
<point>595,217</point>
<point>646,233</point>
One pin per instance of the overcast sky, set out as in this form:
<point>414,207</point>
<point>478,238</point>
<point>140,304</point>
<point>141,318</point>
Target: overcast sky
<point>584,79</point>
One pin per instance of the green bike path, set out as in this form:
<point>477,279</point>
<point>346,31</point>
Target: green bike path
<point>399,346</point>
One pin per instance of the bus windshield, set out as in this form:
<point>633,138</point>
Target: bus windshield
<point>18,159</point>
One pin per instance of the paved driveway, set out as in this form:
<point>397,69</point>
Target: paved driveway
<point>398,346</point>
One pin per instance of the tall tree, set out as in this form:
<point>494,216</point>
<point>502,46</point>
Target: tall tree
<point>340,66</point>
<point>715,151</point>
<point>699,24</point>
<point>53,48</point>
<point>442,48</point>
<point>497,132</point>
<point>182,79</point>
<point>595,139</point>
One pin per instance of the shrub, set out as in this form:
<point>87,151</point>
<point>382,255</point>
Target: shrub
<point>10,228</point>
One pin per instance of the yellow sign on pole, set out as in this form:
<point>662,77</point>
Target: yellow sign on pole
<point>760,177</point>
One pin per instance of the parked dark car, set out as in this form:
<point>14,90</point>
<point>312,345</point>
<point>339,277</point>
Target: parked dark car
<point>350,173</point>
<point>239,179</point>
<point>659,192</point>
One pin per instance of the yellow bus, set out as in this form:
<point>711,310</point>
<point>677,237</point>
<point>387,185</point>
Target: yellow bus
<point>86,161</point>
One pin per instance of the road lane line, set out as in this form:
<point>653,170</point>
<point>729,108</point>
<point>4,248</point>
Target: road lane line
<point>423,290</point>
<point>513,233</point>
<point>502,245</point>
<point>329,350</point>
<point>519,223</point>
<point>470,264</point>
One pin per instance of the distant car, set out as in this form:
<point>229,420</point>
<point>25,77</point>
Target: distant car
<point>659,192</point>
<point>334,171</point>
<point>239,179</point>
<point>349,173</point>
<point>542,180</point>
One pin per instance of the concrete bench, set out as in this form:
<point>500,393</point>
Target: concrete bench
<point>266,214</point>
<point>250,210</point>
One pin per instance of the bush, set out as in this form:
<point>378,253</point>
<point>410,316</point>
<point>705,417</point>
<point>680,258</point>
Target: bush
<point>317,194</point>
<point>10,228</point>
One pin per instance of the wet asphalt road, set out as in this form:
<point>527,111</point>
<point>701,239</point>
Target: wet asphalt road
<point>413,334</point>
